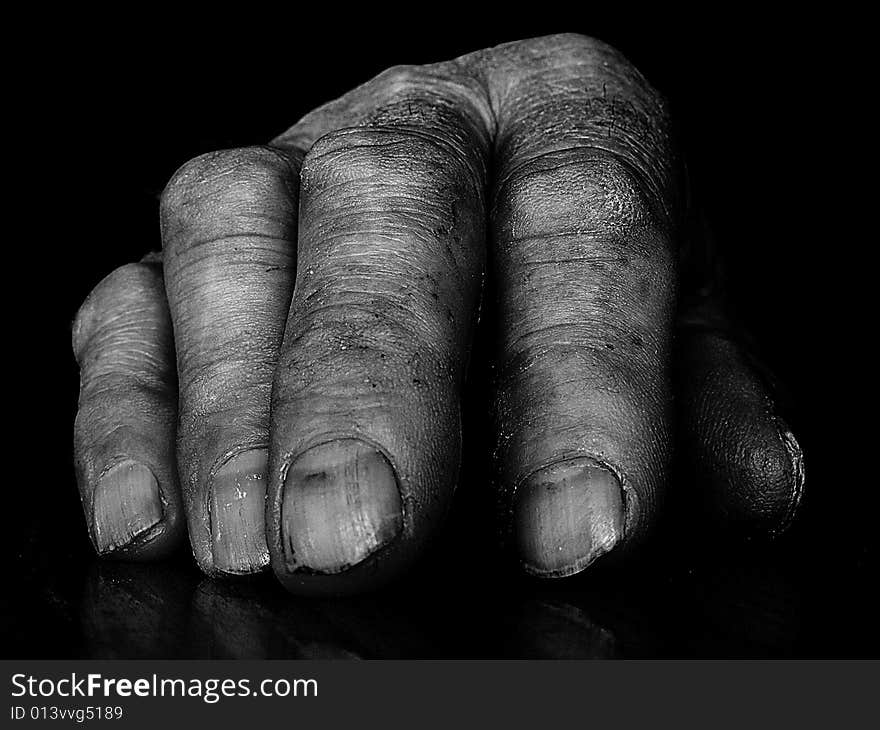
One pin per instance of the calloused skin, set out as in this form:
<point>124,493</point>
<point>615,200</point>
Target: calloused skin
<point>283,382</point>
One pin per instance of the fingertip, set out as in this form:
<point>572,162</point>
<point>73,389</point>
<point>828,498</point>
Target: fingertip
<point>340,525</point>
<point>126,505</point>
<point>745,467</point>
<point>341,504</point>
<point>237,506</point>
<point>772,485</point>
<point>131,518</point>
<point>377,570</point>
<point>566,516</point>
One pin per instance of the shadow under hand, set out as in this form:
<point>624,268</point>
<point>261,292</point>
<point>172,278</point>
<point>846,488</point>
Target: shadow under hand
<point>539,629</point>
<point>135,610</point>
<point>675,602</point>
<point>138,611</point>
<point>241,621</point>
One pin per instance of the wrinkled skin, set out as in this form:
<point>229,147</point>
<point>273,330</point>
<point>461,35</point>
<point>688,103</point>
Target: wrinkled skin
<point>283,383</point>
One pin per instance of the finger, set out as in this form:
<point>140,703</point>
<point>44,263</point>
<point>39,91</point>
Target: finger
<point>746,466</point>
<point>583,222</point>
<point>228,230</point>
<point>125,421</point>
<point>366,432</point>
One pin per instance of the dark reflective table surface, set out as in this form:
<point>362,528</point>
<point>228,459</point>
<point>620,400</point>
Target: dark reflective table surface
<point>683,595</point>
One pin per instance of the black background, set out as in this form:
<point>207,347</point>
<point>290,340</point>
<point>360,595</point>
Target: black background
<point>112,106</point>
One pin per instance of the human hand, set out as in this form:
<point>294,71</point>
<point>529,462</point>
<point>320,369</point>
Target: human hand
<point>306,335</point>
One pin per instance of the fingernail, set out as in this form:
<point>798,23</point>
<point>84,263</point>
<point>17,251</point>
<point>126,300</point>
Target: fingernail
<point>238,506</point>
<point>341,504</point>
<point>126,504</point>
<point>566,516</point>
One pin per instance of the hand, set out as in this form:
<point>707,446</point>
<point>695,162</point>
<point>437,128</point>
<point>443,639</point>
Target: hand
<point>287,376</point>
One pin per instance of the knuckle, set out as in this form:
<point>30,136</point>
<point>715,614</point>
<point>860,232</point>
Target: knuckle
<point>402,187</point>
<point>403,80</point>
<point>135,275</point>
<point>611,351</point>
<point>424,95</point>
<point>579,387</point>
<point>386,97</point>
<point>620,187</point>
<point>421,118</point>
<point>581,92</point>
<point>387,158</point>
<point>83,324</point>
<point>589,56</point>
<point>214,183</point>
<point>578,189</point>
<point>370,149</point>
<point>562,45</point>
<point>116,292</point>
<point>212,392</point>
